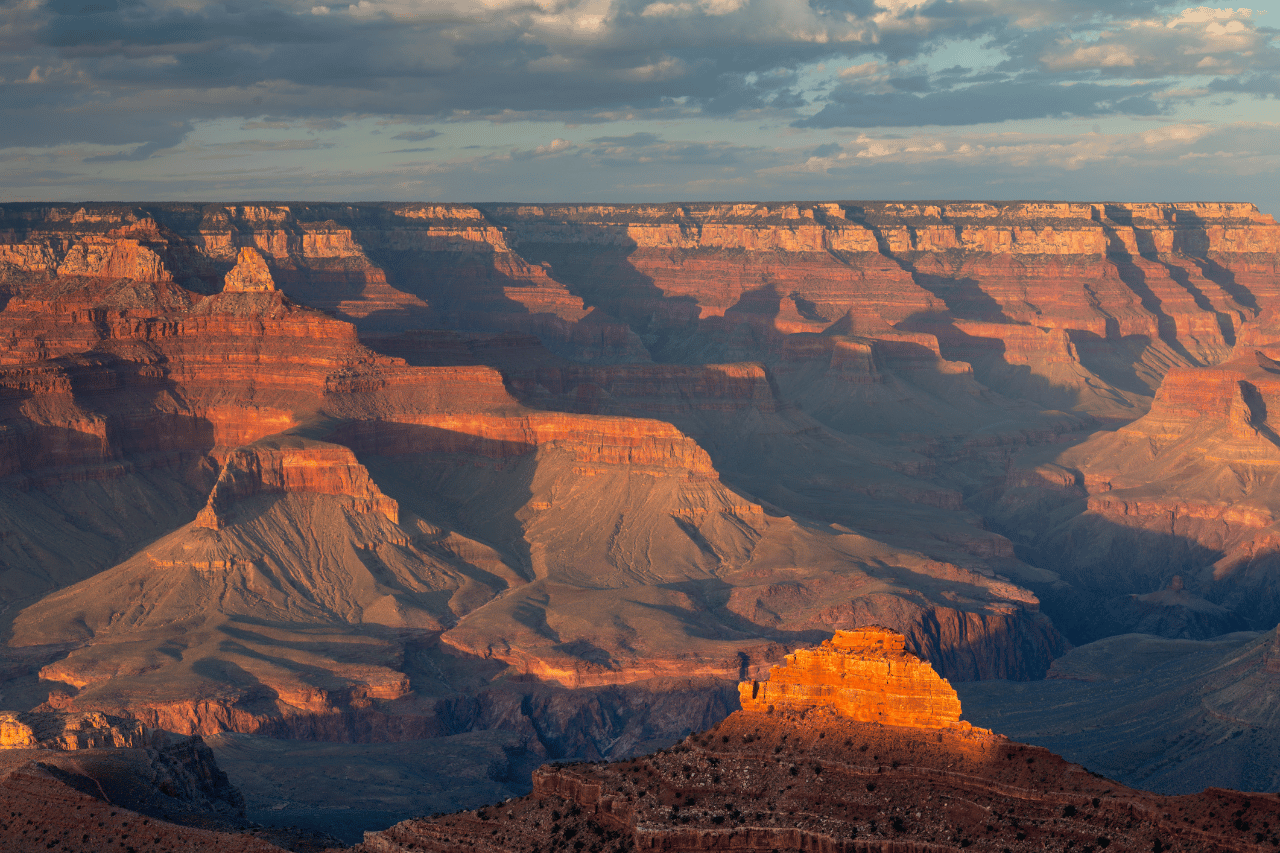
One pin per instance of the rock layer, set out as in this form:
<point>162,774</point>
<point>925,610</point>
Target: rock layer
<point>588,445</point>
<point>865,675</point>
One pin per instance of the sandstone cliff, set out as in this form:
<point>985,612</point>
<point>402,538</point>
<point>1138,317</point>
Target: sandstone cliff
<point>1188,490</point>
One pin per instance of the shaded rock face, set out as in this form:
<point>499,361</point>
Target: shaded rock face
<point>1168,715</point>
<point>94,781</point>
<point>1188,491</point>
<point>182,768</point>
<point>45,803</point>
<point>814,776</point>
<point>865,675</point>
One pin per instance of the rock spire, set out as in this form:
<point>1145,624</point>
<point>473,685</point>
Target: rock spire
<point>250,274</point>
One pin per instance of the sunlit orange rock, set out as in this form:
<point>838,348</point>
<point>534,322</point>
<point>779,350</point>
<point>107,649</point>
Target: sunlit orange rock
<point>250,274</point>
<point>866,675</point>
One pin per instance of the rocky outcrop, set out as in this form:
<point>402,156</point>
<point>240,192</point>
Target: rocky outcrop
<point>866,675</point>
<point>293,467</point>
<point>46,804</point>
<point>1189,489</point>
<point>113,781</point>
<point>54,730</point>
<point>172,797</point>
<point>813,777</point>
<point>250,274</point>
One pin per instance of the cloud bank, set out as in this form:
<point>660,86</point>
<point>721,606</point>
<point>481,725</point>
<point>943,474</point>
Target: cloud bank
<point>114,87</point>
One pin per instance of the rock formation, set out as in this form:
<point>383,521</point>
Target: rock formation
<point>813,776</point>
<point>1189,489</point>
<point>866,675</point>
<point>1167,715</point>
<point>250,274</point>
<point>54,730</point>
<point>97,782</point>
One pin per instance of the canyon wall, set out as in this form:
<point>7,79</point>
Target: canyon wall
<point>294,469</point>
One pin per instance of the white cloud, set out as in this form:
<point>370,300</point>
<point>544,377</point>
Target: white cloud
<point>1196,41</point>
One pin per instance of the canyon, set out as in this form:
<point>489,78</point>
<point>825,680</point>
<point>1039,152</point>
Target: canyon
<point>548,481</point>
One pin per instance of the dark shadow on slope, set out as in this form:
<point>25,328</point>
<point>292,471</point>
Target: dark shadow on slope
<point>1194,246</point>
<point>1136,280</point>
<point>1105,356</point>
<point>453,480</point>
<point>1258,411</point>
<point>605,278</point>
<point>1225,325</point>
<point>1226,279</point>
<point>990,365</point>
<point>1112,571</point>
<point>964,297</point>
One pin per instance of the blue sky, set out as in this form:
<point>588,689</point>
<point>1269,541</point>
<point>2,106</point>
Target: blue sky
<point>639,100</point>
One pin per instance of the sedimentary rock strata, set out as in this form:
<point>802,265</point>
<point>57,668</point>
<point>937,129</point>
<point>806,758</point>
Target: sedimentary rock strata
<point>866,675</point>
<point>1167,715</point>
<point>275,468</point>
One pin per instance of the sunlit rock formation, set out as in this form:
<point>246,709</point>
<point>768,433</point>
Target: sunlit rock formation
<point>250,274</point>
<point>866,675</point>
<point>54,730</point>
<point>809,775</point>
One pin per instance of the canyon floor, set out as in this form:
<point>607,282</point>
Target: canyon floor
<point>357,490</point>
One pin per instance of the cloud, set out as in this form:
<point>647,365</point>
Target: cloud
<point>1240,149</point>
<point>552,148</point>
<point>635,140</point>
<point>1232,162</point>
<point>267,145</point>
<point>142,152</point>
<point>981,103</point>
<point>573,60</point>
<point>677,90</point>
<point>1195,42</point>
<point>417,135</point>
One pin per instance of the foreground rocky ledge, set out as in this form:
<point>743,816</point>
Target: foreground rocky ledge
<point>813,777</point>
<point>94,782</point>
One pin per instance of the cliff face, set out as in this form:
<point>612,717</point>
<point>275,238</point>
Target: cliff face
<point>102,781</point>
<point>254,455</point>
<point>624,282</point>
<point>1189,490</point>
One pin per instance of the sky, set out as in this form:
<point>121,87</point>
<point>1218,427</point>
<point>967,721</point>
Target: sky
<point>639,100</point>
